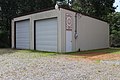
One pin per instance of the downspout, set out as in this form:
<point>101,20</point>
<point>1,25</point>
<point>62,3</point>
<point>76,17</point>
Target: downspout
<point>75,34</point>
<point>75,26</point>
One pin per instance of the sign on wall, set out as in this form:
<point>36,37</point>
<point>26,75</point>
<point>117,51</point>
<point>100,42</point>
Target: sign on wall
<point>68,22</point>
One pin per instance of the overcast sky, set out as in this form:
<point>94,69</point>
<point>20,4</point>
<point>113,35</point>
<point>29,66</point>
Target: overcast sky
<point>117,2</point>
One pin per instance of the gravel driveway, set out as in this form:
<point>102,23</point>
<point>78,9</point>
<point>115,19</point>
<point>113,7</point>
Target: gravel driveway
<point>58,67</point>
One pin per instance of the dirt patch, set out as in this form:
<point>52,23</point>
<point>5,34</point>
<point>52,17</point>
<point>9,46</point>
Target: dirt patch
<point>95,56</point>
<point>105,57</point>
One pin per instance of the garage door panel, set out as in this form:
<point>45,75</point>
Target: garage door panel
<point>22,40</point>
<point>22,46</point>
<point>22,27</point>
<point>22,34</point>
<point>22,43</point>
<point>51,38</point>
<point>21,30</point>
<point>46,32</point>
<point>47,43</point>
<point>22,37</point>
<point>46,35</point>
<point>44,29</point>
<point>48,48</point>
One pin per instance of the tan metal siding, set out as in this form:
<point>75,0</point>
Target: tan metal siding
<point>93,33</point>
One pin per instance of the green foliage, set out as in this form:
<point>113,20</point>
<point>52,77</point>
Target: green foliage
<point>12,8</point>
<point>4,39</point>
<point>114,20</point>
<point>25,6</point>
<point>97,8</point>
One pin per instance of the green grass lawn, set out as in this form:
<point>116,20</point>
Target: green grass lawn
<point>110,50</point>
<point>37,54</point>
<point>25,53</point>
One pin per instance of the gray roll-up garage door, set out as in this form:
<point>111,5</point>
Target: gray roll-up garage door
<point>46,35</point>
<point>22,34</point>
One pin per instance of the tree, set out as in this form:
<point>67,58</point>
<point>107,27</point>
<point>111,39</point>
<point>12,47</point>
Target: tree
<point>114,20</point>
<point>8,10</point>
<point>12,8</point>
<point>97,8</point>
<point>25,6</point>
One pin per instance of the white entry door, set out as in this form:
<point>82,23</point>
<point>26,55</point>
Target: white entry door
<point>46,35</point>
<point>68,41</point>
<point>22,34</point>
